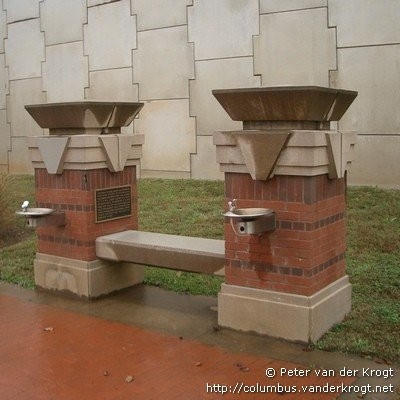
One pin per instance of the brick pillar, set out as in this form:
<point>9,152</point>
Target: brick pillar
<point>74,193</point>
<point>66,259</point>
<point>306,251</point>
<point>291,282</point>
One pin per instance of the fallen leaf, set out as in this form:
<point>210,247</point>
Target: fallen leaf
<point>242,367</point>
<point>49,329</point>
<point>216,328</point>
<point>382,361</point>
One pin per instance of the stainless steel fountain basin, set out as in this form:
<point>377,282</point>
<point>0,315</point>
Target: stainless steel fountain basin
<point>248,213</point>
<point>35,212</point>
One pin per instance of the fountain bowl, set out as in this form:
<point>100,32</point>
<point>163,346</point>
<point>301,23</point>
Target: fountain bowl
<point>248,213</point>
<point>35,212</point>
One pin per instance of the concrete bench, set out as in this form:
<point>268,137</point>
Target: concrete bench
<point>182,253</point>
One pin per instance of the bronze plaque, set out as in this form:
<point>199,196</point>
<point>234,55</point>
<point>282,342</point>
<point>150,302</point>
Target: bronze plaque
<point>113,203</point>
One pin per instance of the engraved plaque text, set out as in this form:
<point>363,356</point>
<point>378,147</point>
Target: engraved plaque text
<point>113,203</point>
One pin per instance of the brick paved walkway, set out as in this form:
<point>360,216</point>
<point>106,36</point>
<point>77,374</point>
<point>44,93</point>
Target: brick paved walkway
<point>48,353</point>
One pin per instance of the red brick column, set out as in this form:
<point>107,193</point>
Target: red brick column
<point>306,252</point>
<point>74,193</point>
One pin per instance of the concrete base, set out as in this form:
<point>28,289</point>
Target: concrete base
<point>283,315</point>
<point>85,279</point>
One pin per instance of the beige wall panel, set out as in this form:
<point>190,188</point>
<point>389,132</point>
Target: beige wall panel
<point>375,73</point>
<point>5,139</point>
<point>112,85</point>
<point>163,63</point>
<point>170,135</point>
<point>204,162</point>
<point>98,2</point>
<point>3,82</point>
<point>110,36</point>
<point>222,28</point>
<point>62,21</point>
<point>24,49</point>
<point>65,72</point>
<point>270,6</point>
<point>18,10</point>
<point>157,174</point>
<point>173,13</point>
<point>23,92</point>
<point>19,159</point>
<point>218,74</point>
<point>187,48</point>
<point>361,22</point>
<point>376,161</point>
<point>295,48</point>
<point>3,28</point>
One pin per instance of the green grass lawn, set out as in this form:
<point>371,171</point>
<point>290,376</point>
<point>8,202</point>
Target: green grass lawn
<point>373,265</point>
<point>194,208</point>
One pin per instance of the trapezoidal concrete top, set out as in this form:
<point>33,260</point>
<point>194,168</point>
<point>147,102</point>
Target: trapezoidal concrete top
<point>83,115</point>
<point>285,103</point>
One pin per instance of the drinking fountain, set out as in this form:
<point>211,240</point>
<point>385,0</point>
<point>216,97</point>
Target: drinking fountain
<point>250,221</point>
<point>40,216</point>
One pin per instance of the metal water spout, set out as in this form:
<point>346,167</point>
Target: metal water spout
<point>24,206</point>
<point>232,205</point>
<point>36,217</point>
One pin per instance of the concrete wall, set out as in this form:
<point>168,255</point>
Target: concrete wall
<point>170,54</point>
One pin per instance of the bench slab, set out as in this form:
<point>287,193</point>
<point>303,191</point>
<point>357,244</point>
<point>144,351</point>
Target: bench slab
<point>184,253</point>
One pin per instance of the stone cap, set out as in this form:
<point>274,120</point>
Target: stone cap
<point>285,103</point>
<point>84,114</point>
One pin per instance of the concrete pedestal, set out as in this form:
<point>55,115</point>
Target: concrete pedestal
<point>284,315</point>
<point>87,279</point>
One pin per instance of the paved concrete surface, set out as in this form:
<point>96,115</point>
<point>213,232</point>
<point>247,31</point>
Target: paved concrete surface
<point>147,343</point>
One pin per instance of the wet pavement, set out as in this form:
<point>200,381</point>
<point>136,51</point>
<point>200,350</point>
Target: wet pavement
<point>147,343</point>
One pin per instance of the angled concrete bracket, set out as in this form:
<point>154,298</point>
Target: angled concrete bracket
<point>349,139</point>
<point>334,149</point>
<point>340,148</point>
<point>261,150</point>
<point>116,149</point>
<point>53,150</point>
